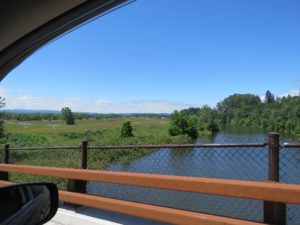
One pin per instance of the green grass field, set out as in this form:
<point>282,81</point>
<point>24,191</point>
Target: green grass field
<point>97,132</point>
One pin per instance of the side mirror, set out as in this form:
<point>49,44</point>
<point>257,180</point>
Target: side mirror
<point>29,204</point>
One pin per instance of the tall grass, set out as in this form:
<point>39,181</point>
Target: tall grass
<point>97,132</point>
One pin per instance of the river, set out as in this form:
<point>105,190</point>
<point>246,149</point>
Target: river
<point>241,163</point>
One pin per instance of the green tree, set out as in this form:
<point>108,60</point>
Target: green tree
<point>2,104</point>
<point>269,97</point>
<point>239,109</point>
<point>126,130</point>
<point>67,115</point>
<point>182,124</point>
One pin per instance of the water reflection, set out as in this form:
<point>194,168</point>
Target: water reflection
<point>234,163</point>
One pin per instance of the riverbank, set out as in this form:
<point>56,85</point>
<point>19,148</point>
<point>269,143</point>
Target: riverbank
<point>96,132</point>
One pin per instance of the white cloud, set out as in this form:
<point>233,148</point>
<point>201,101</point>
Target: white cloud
<point>293,92</point>
<point>102,102</point>
<point>142,106</point>
<point>20,100</point>
<point>3,92</point>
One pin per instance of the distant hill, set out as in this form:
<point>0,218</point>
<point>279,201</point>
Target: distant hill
<point>31,111</point>
<point>37,111</point>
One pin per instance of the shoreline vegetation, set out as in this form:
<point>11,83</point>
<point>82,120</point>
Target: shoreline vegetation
<point>240,110</point>
<point>106,131</point>
<point>184,126</point>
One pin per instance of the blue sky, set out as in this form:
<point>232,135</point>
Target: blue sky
<point>158,56</point>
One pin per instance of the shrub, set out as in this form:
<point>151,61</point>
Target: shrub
<point>182,124</point>
<point>126,130</point>
<point>68,116</point>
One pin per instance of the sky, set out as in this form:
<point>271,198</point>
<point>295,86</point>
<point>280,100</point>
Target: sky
<point>158,56</point>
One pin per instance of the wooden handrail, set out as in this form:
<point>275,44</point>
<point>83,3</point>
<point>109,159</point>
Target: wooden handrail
<point>159,213</point>
<point>267,191</point>
<point>164,214</point>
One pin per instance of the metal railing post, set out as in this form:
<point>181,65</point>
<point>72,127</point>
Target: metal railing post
<point>274,213</point>
<point>4,175</point>
<point>84,147</point>
<point>80,185</point>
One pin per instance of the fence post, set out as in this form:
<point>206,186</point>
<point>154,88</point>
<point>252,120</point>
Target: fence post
<point>84,146</point>
<point>80,185</point>
<point>274,213</point>
<point>4,175</point>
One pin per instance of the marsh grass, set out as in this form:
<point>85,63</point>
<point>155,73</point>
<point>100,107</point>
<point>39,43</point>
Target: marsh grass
<point>97,132</point>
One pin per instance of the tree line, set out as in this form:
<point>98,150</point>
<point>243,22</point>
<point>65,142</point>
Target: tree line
<point>77,116</point>
<point>51,116</point>
<point>244,110</point>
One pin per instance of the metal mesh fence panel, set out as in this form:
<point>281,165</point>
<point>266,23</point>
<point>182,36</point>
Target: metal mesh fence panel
<point>217,205</point>
<point>290,165</point>
<point>242,163</point>
<point>290,173</point>
<point>69,158</point>
<point>1,156</point>
<point>229,163</point>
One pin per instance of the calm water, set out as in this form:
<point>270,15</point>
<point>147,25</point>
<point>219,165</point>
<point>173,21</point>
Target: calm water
<point>237,163</point>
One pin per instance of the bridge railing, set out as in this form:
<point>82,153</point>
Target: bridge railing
<point>267,155</point>
<point>265,191</point>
